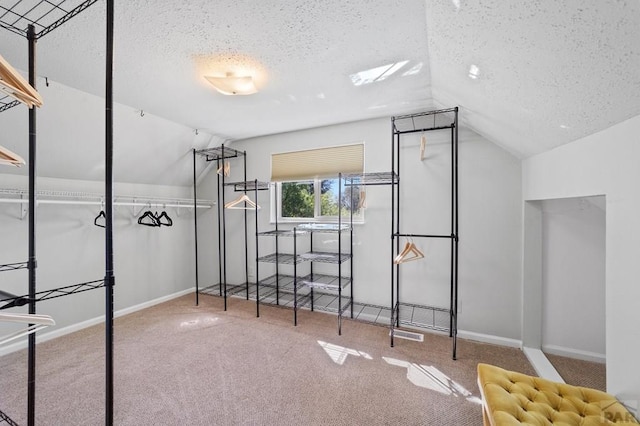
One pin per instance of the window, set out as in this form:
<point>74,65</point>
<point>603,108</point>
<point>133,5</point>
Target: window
<point>318,200</point>
<point>297,200</point>
<point>309,188</point>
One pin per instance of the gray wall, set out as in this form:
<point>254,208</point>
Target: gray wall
<point>573,277</point>
<point>150,263</point>
<point>490,220</point>
<point>604,164</point>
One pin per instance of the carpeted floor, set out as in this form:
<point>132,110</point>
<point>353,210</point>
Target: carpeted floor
<point>178,364</point>
<point>580,373</point>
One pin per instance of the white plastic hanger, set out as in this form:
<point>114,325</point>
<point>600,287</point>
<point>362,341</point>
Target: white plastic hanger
<point>242,199</point>
<point>35,322</point>
<point>409,252</point>
<point>10,158</point>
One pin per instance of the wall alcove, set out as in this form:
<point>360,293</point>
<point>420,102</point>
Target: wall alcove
<point>564,280</point>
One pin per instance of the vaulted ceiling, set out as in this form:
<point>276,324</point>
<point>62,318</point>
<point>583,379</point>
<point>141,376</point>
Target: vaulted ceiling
<point>528,76</point>
<point>546,72</point>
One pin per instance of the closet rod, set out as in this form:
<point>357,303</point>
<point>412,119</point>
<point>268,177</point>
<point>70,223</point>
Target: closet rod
<point>426,129</point>
<point>423,236</point>
<point>204,205</point>
<point>426,113</point>
<point>57,194</point>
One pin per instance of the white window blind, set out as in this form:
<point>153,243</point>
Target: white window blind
<point>317,163</point>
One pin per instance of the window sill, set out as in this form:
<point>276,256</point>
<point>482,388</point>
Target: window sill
<point>301,221</point>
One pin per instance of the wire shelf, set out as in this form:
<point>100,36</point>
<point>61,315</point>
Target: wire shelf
<point>282,282</point>
<point>279,290</point>
<point>322,257</point>
<point>249,185</point>
<point>14,266</point>
<point>326,282</point>
<point>285,300</point>
<point>372,314</point>
<point>7,102</point>
<point>414,316</point>
<point>323,302</point>
<point>328,302</point>
<point>424,121</point>
<point>268,295</point>
<point>44,15</point>
<point>283,258</point>
<point>375,178</point>
<point>325,257</point>
<point>233,289</point>
<point>324,227</point>
<point>282,233</point>
<point>212,290</point>
<point>7,419</point>
<point>422,316</point>
<point>52,294</point>
<point>219,153</point>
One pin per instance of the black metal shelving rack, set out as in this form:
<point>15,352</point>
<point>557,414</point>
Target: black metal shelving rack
<point>282,289</point>
<point>327,290</point>
<point>366,312</point>
<point>413,314</point>
<point>220,155</point>
<point>246,187</point>
<point>317,291</point>
<point>33,20</point>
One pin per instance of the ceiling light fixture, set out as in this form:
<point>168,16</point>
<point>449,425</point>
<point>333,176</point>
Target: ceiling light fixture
<point>232,85</point>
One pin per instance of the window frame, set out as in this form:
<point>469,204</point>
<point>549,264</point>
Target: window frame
<point>276,204</point>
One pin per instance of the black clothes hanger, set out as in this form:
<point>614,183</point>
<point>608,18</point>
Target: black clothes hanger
<point>164,219</point>
<point>99,220</point>
<point>148,219</point>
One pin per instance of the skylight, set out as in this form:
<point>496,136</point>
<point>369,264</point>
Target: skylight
<point>413,70</point>
<point>376,74</point>
<point>474,72</point>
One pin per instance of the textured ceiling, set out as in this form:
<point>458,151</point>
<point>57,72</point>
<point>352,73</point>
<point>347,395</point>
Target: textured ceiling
<point>529,76</point>
<point>547,72</point>
<point>302,53</point>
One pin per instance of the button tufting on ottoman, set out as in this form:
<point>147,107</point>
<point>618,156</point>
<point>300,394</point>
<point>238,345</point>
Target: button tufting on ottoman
<point>510,398</point>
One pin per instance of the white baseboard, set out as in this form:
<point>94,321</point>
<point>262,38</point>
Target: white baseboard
<point>488,338</point>
<point>574,353</point>
<point>541,364</point>
<point>151,303</point>
<point>43,337</point>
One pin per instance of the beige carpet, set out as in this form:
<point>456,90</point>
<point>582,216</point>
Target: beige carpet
<point>178,364</point>
<point>580,373</point>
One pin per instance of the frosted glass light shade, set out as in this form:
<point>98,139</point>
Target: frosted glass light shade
<point>231,85</point>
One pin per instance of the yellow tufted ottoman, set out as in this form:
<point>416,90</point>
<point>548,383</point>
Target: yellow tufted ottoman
<point>510,398</point>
